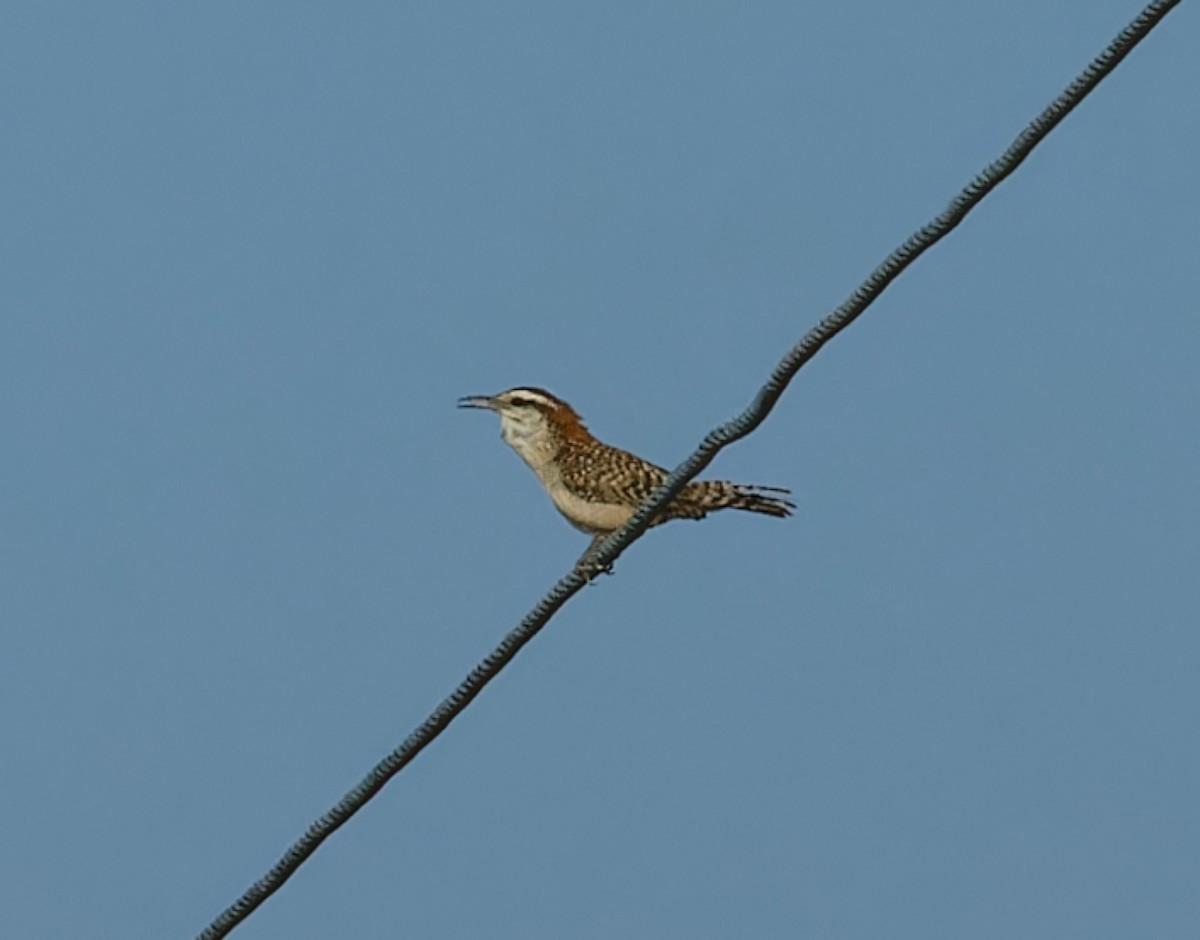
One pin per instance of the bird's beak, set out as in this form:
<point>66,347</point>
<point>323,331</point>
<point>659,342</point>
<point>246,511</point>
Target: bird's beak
<point>478,401</point>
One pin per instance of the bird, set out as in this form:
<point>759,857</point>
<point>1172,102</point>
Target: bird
<point>597,487</point>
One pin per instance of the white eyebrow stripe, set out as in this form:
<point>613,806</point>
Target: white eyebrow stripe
<point>527,396</point>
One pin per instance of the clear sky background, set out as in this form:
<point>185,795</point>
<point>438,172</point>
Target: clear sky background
<point>253,253</point>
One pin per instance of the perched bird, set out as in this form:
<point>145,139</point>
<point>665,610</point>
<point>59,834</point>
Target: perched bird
<point>597,487</point>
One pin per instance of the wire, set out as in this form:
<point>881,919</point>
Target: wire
<point>734,430</point>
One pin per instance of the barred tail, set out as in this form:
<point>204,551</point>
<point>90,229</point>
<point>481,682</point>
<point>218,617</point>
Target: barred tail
<point>699,499</point>
<point>754,499</point>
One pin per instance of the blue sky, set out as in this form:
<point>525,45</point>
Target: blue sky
<point>255,252</point>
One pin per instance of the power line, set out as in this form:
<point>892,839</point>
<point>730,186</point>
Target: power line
<point>845,314</point>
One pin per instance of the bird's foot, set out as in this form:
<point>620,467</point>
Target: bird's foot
<point>591,570</point>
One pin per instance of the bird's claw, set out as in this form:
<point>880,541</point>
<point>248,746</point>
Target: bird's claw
<point>591,570</point>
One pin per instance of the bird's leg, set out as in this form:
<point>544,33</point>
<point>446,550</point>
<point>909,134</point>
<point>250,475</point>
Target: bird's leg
<point>587,561</point>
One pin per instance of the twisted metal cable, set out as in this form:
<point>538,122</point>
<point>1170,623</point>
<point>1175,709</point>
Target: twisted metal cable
<point>724,435</point>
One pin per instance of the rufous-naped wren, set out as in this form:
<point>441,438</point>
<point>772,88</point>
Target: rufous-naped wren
<point>597,487</point>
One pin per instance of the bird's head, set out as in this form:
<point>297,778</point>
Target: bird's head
<point>530,418</point>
